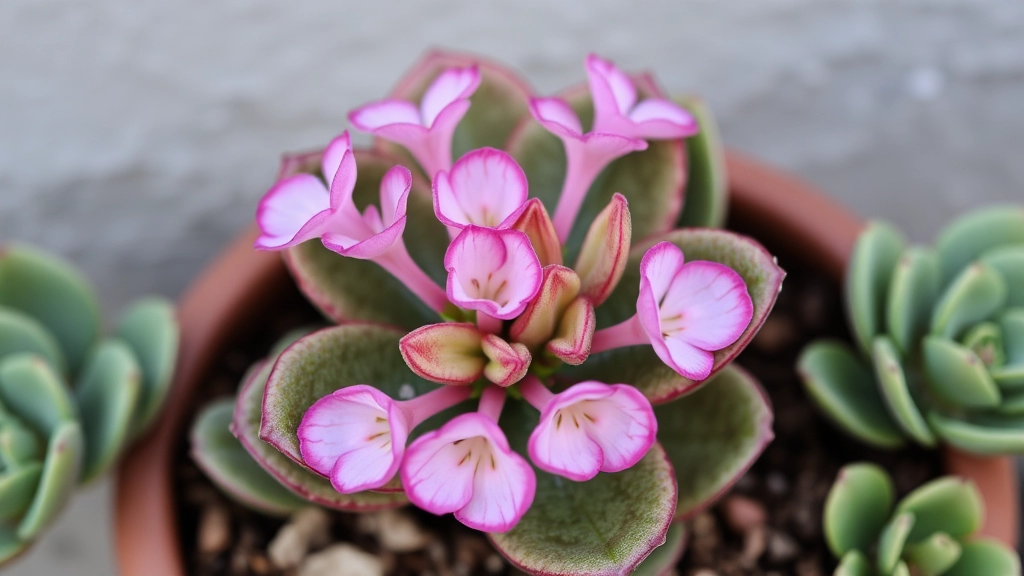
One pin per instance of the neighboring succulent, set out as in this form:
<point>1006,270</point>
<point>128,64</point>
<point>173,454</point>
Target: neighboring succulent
<point>69,400</point>
<point>930,532</point>
<point>521,319</point>
<point>942,336</point>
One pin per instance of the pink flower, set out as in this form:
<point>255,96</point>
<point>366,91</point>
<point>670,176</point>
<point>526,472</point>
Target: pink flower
<point>356,436</point>
<point>685,311</point>
<point>425,131</point>
<point>589,428</point>
<point>586,155</point>
<point>466,467</point>
<point>494,272</point>
<point>616,110</point>
<point>485,187</point>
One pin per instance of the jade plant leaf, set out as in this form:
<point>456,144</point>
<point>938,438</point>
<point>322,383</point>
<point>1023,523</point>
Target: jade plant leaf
<point>994,436</point>
<point>21,333</point>
<point>47,289</point>
<point>1009,262</point>
<point>292,475</point>
<point>1011,374</point>
<point>607,525</point>
<point>868,277</point>
<point>975,295</point>
<point>496,108</point>
<point>61,468</point>
<point>912,293</point>
<point>840,382</point>
<point>853,563</point>
<point>19,445</point>
<point>150,329</point>
<point>970,236</point>
<point>714,435</point>
<point>640,366</point>
<point>892,540</point>
<point>934,555</point>
<point>347,289</point>
<point>957,374</point>
<point>652,180</point>
<point>707,189</point>
<point>223,458</point>
<point>896,392</point>
<point>985,557</point>
<point>30,389</point>
<point>950,505</point>
<point>663,560</point>
<point>857,508</point>
<point>107,392</point>
<point>17,487</point>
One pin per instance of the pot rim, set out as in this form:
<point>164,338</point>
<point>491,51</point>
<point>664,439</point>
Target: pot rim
<point>213,310</point>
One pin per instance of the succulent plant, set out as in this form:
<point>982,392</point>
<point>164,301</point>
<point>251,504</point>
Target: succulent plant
<point>542,321</point>
<point>69,400</point>
<point>930,532</point>
<point>940,334</point>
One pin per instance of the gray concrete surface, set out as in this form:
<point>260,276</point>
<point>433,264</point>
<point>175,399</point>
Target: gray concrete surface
<point>136,137</point>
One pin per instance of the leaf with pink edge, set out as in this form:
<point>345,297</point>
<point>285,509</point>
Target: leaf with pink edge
<point>663,560</point>
<point>639,365</point>
<point>714,435</point>
<point>651,180</point>
<point>496,107</point>
<point>347,289</point>
<point>607,525</point>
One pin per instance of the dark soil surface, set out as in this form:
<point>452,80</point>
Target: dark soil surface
<point>784,491</point>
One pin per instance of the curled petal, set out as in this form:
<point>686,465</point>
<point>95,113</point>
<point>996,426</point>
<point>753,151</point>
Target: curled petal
<point>331,159</point>
<point>492,271</point>
<point>355,436</point>
<point>376,115</point>
<point>293,211</point>
<point>658,119</point>
<point>466,467</point>
<point>536,224</point>
<point>605,250</point>
<point>486,187</point>
<point>451,85</point>
<point>376,232</point>
<point>575,334</point>
<point>593,427</point>
<point>538,322</point>
<point>508,362</point>
<point>448,353</point>
<point>556,116</point>
<point>612,90</point>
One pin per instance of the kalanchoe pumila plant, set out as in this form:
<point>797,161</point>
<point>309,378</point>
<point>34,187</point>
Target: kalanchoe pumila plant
<point>930,532</point>
<point>940,334</point>
<point>518,371</point>
<point>69,400</point>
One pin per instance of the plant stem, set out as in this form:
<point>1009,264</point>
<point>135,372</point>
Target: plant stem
<point>492,400</point>
<point>425,406</point>
<point>627,333</point>
<point>400,264</point>
<point>535,392</point>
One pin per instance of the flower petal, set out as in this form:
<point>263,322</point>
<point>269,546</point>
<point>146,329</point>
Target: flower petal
<point>556,116</point>
<point>291,212</point>
<point>343,183</point>
<point>605,250</point>
<point>612,90</point>
<point>713,302</point>
<point>394,194</point>
<point>486,187</point>
<point>331,159</point>
<point>684,358</point>
<point>575,335</point>
<point>660,119</point>
<point>502,493</point>
<point>537,324</point>
<point>508,362</point>
<point>375,115</point>
<point>448,353</point>
<point>493,271</point>
<point>451,85</point>
<point>536,224</point>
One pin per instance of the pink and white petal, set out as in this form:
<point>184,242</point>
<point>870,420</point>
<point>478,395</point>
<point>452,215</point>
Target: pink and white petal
<point>291,212</point>
<point>484,264</point>
<point>368,466</point>
<point>475,253</point>
<point>331,158</point>
<point>684,358</point>
<point>656,118</point>
<point>338,423</point>
<point>623,425</point>
<point>711,302</point>
<point>343,183</point>
<point>451,85</point>
<point>394,194</point>
<point>560,446</point>
<point>376,115</point>
<point>612,90</point>
<point>446,206</point>
<point>434,474</point>
<point>366,249</point>
<point>503,491</point>
<point>488,186</point>
<point>607,147</point>
<point>556,116</point>
<point>660,265</point>
<point>440,136</point>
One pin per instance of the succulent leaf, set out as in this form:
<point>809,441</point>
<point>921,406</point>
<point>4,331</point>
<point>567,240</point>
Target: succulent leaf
<point>986,340</point>
<point>18,444</point>
<point>663,560</point>
<point>853,563</point>
<point>892,540</point>
<point>841,384</point>
<point>972,235</point>
<point>49,290</point>
<point>975,295</point>
<point>949,505</point>
<point>957,374</point>
<point>912,293</point>
<point>21,333</point>
<point>10,545</point>
<point>934,555</point>
<point>64,455</point>
<point>994,436</point>
<point>868,278</point>
<point>857,508</point>
<point>1009,262</point>
<point>150,329</point>
<point>225,461</point>
<point>896,392</point>
<point>714,435</point>
<point>1011,373</point>
<point>985,557</point>
<point>17,486</point>
<point>707,191</point>
<point>30,389</point>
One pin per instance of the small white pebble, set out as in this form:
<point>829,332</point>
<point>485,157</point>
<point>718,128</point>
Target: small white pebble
<point>343,559</point>
<point>406,392</point>
<point>308,528</point>
<point>398,532</point>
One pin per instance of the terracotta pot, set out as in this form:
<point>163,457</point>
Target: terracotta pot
<point>229,297</point>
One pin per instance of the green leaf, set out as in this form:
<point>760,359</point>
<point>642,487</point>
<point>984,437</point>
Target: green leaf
<point>10,545</point>
<point>891,542</point>
<point>348,289</point>
<point>986,340</point>
<point>17,487</point>
<point>853,563</point>
<point>985,557</point>
<point>912,293</point>
<point>857,508</point>
<point>1009,262</point>
<point>902,570</point>
<point>225,461</point>
<point>1011,374</point>
<point>665,557</point>
<point>934,555</point>
<point>652,180</point>
<point>293,476</point>
<point>150,329</point>
<point>19,445</point>
<point>107,392</point>
<point>607,525</point>
<point>951,505</point>
<point>972,235</point>
<point>496,108</point>
<point>995,437</point>
<point>868,277</point>
<point>896,392</point>
<point>713,435</point>
<point>64,455</point>
<point>30,389</point>
<point>707,188</point>
<point>49,290</point>
<point>640,366</point>
<point>958,375</point>
<point>843,386</point>
<point>975,295</point>
<point>21,333</point>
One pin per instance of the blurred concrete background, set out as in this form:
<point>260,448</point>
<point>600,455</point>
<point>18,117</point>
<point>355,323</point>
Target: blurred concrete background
<point>137,136</point>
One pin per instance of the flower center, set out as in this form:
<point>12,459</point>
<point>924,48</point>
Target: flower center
<point>379,433</point>
<point>576,416</point>
<point>672,324</point>
<point>490,289</point>
<point>476,451</point>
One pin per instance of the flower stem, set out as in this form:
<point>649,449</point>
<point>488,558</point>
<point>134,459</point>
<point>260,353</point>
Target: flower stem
<point>627,333</point>
<point>581,170</point>
<point>400,264</point>
<point>487,323</point>
<point>492,400</point>
<point>425,406</point>
<point>535,392</point>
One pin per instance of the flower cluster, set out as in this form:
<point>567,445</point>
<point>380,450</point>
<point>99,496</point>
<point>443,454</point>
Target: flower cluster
<point>511,306</point>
